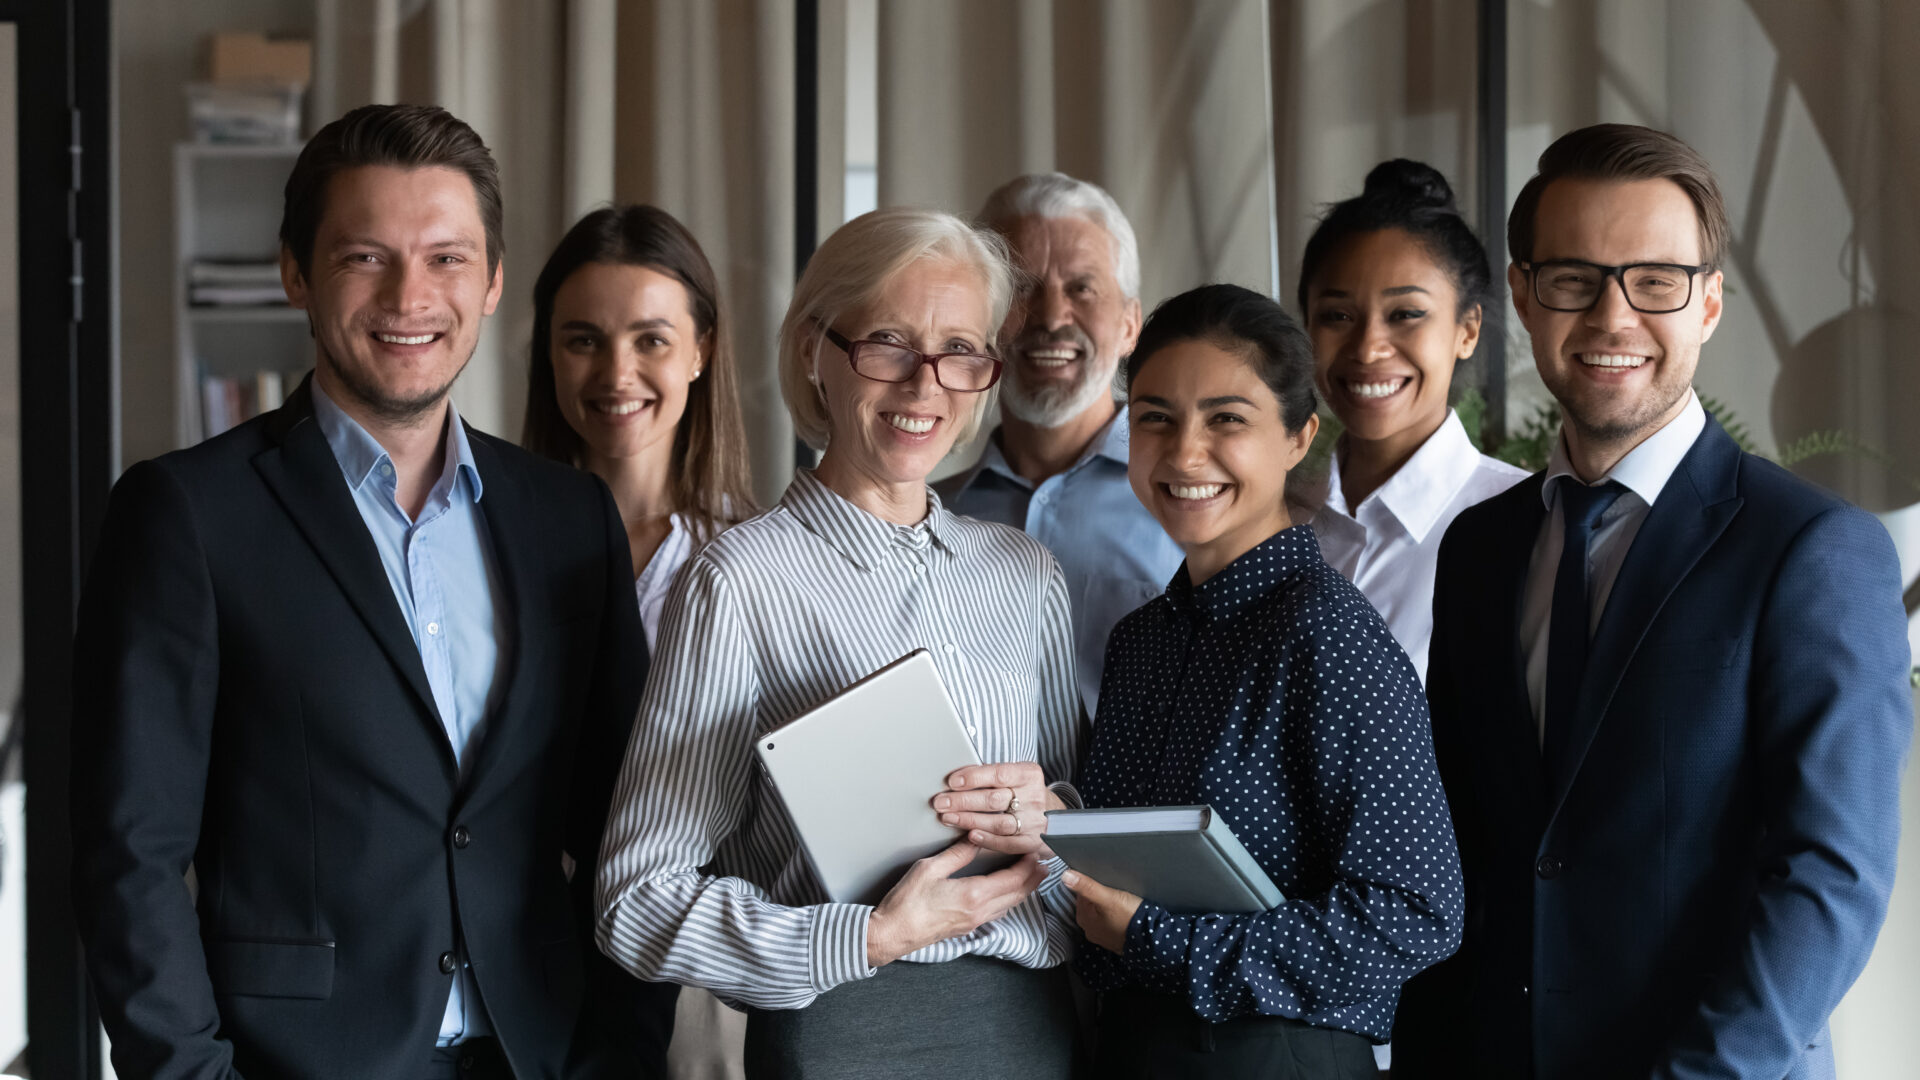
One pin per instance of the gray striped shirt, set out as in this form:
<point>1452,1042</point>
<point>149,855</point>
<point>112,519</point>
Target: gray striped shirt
<point>702,880</point>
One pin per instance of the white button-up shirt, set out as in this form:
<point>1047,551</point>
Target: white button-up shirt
<point>1643,472</point>
<point>1390,544</point>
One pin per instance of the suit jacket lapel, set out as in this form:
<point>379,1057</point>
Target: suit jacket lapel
<point>1510,557</point>
<point>1692,511</point>
<point>507,506</point>
<point>306,478</point>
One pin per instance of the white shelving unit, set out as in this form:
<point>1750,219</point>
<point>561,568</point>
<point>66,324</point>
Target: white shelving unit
<point>227,204</point>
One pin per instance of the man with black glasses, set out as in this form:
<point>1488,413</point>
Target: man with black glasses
<point>1668,684</point>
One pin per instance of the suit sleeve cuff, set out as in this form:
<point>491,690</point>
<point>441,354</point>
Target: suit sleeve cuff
<point>837,945</point>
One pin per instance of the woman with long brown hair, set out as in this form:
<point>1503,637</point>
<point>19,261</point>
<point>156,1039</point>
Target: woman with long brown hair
<point>632,378</point>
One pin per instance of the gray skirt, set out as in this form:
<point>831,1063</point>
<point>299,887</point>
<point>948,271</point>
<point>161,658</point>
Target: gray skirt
<point>965,1017</point>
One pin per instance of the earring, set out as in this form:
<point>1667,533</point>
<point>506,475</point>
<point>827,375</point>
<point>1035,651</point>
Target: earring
<point>696,374</point>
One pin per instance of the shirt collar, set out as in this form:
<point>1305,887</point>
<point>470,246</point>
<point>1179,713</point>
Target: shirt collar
<point>1110,443</point>
<point>864,539</point>
<point>359,453</point>
<point>1647,467</point>
<point>1419,492</point>
<point>1249,578</point>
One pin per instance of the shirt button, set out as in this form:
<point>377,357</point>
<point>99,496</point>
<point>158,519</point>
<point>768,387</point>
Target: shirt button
<point>447,963</point>
<point>973,729</point>
<point>433,628</point>
<point>952,648</point>
<point>386,469</point>
<point>1548,867</point>
<point>461,837</point>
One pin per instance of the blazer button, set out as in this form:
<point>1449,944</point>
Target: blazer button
<point>447,963</point>
<point>1548,867</point>
<point>461,837</point>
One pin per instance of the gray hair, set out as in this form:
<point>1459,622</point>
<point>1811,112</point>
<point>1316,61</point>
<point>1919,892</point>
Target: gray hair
<point>851,268</point>
<point>1056,195</point>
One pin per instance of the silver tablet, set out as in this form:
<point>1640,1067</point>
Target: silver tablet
<point>858,775</point>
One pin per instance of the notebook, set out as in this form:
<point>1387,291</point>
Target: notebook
<point>858,774</point>
<point>1183,858</point>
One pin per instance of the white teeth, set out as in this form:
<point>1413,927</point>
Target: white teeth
<point>1374,389</point>
<point>403,339</point>
<point>625,408</point>
<point>1609,360</point>
<point>1196,491</point>
<point>1051,358</point>
<point>912,425</point>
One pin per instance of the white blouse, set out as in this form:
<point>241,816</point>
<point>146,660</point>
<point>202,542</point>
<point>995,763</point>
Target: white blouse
<point>1390,544</point>
<point>656,579</point>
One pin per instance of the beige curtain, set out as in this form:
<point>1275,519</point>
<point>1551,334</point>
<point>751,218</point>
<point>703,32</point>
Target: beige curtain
<point>1163,104</point>
<point>706,123</point>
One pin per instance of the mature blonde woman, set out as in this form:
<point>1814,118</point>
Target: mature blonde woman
<point>885,357</point>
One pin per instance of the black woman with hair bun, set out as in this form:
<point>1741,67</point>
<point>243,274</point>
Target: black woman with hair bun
<point>1393,288</point>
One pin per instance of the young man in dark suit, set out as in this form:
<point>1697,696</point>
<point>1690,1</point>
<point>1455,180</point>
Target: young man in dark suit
<point>1669,684</point>
<point>366,672</point>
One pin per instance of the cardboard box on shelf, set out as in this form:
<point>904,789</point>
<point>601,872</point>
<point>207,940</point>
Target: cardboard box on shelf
<point>245,58</point>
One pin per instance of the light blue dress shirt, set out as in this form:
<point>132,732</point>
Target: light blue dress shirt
<point>1114,554</point>
<point>445,577</point>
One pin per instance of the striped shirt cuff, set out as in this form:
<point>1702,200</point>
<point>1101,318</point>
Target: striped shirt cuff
<point>837,946</point>
<point>1068,794</point>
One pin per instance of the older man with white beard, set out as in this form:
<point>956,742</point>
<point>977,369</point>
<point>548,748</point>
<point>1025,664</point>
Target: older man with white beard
<point>1057,464</point>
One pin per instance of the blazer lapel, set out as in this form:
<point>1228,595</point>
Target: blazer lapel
<point>507,506</point>
<point>1692,511</point>
<point>1510,557</point>
<point>305,477</point>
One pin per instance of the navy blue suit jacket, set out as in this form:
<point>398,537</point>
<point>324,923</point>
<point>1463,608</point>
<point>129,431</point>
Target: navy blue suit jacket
<point>1693,900</point>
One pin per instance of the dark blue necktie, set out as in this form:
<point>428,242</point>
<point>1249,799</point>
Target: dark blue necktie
<point>1567,628</point>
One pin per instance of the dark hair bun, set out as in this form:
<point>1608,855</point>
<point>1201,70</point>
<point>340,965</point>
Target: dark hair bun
<point>1411,196</point>
<point>1409,183</point>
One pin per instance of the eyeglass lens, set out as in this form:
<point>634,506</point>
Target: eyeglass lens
<point>1575,286</point>
<point>966,372</point>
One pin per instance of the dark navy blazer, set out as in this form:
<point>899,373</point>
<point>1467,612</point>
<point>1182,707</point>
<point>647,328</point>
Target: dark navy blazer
<point>1709,881</point>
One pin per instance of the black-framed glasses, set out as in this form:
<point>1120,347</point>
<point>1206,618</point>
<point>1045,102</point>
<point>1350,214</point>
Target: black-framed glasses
<point>884,361</point>
<point>1576,284</point>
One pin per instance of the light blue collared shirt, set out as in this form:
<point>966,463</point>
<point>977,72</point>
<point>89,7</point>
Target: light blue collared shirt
<point>1114,554</point>
<point>444,575</point>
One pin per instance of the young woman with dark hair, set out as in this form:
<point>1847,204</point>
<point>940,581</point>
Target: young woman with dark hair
<point>1263,684</point>
<point>631,377</point>
<point>1393,287</point>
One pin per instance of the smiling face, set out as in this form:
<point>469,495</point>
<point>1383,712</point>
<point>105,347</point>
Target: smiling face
<point>1386,329</point>
<point>1210,451</point>
<point>1619,374</point>
<point>397,289</point>
<point>896,433</point>
<point>625,350</point>
<point>1066,334</point>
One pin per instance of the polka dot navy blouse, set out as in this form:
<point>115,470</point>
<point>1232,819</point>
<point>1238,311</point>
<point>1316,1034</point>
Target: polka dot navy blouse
<point>1274,692</point>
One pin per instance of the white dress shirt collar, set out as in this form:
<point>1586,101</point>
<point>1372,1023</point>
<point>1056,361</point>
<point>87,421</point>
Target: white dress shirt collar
<point>1419,494</point>
<point>1647,467</point>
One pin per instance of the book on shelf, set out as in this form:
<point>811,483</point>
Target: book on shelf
<point>235,282</point>
<point>229,401</point>
<point>1183,858</point>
